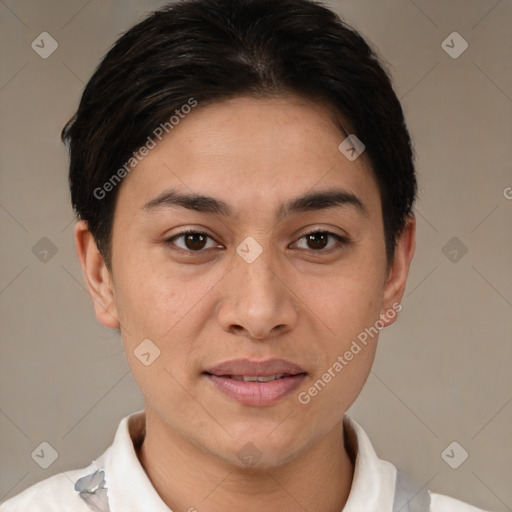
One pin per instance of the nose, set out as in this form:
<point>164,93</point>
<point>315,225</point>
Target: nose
<point>257,301</point>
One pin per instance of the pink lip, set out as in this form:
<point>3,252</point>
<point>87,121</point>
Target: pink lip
<point>257,368</point>
<point>256,393</point>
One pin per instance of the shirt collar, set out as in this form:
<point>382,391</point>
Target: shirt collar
<point>130,489</point>
<point>373,485</point>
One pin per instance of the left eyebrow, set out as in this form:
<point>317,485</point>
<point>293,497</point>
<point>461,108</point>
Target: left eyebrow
<point>321,200</point>
<point>311,201</point>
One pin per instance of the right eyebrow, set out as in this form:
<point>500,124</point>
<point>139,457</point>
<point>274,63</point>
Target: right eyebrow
<point>197,202</point>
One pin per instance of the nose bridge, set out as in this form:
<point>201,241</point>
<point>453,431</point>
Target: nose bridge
<point>258,279</point>
<point>258,301</point>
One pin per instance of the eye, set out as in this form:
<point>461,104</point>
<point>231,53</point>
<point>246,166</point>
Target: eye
<point>197,241</point>
<point>192,241</point>
<point>319,240</point>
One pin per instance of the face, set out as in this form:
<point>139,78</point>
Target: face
<point>246,244</point>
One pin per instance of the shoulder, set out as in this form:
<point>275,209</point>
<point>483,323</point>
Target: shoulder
<point>441,503</point>
<point>50,495</point>
<point>85,489</point>
<point>58,493</point>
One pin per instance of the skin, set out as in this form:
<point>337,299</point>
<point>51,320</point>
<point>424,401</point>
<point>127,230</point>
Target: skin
<point>295,301</point>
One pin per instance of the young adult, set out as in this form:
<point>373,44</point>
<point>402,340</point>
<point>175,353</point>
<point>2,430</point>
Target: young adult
<point>244,184</point>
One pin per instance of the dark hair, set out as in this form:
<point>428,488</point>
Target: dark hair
<point>211,50</point>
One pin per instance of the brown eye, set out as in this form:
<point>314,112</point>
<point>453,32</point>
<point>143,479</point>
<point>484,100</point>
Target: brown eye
<point>192,241</point>
<point>195,241</point>
<point>319,240</point>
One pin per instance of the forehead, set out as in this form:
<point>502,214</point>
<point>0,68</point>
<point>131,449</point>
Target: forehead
<point>251,151</point>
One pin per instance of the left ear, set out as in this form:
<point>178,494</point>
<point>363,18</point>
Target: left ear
<point>398,271</point>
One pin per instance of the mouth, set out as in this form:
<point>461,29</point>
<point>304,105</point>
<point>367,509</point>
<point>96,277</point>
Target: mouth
<point>255,378</point>
<point>256,383</point>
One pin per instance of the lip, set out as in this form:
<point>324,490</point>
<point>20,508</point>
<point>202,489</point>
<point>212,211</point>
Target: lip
<point>263,368</point>
<point>256,393</point>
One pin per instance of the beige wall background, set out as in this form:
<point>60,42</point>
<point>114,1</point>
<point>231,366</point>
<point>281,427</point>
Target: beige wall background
<point>442,372</point>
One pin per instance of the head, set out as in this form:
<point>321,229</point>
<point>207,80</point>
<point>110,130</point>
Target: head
<point>229,119</point>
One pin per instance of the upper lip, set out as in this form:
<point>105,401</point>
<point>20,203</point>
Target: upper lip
<point>246,367</point>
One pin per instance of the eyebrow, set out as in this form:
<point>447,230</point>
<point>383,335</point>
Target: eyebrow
<point>311,201</point>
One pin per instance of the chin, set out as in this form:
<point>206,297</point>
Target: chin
<point>264,447</point>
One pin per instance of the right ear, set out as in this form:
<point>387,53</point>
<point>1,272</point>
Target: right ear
<point>97,276</point>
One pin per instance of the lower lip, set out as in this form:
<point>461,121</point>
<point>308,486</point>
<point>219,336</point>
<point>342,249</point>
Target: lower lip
<point>257,393</point>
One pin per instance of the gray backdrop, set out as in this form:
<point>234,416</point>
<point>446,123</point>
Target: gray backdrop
<point>442,373</point>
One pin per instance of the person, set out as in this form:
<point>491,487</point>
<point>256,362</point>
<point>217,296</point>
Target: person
<point>244,184</point>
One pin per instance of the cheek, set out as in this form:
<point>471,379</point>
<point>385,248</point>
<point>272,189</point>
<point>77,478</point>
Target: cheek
<point>350,308</point>
<point>155,308</point>
<point>348,303</point>
<point>348,300</point>
<point>148,301</point>
<point>159,304</point>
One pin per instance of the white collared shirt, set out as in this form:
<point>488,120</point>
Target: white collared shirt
<point>117,482</point>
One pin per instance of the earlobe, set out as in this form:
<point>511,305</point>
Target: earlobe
<point>398,271</point>
<point>97,276</point>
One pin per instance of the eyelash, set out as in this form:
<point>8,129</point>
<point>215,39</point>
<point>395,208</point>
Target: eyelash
<point>340,239</point>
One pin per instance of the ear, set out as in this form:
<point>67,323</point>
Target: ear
<point>97,276</point>
<point>397,273</point>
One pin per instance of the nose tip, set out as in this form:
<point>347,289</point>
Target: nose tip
<point>256,303</point>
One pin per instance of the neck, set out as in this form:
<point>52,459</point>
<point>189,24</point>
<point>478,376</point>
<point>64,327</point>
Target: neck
<point>189,479</point>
